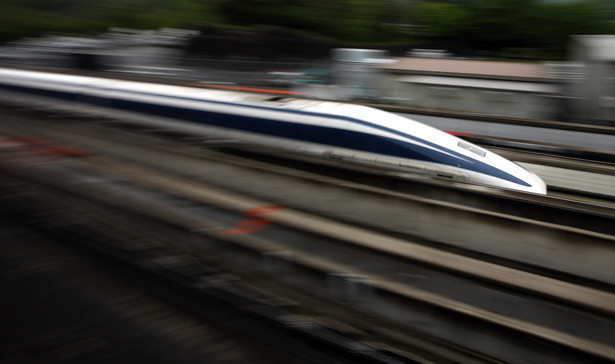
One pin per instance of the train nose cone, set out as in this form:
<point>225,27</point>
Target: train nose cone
<point>537,184</point>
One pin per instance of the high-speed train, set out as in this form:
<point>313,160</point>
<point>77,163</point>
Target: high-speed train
<point>347,132</point>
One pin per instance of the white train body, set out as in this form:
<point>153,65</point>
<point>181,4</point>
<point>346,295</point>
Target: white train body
<point>353,133</point>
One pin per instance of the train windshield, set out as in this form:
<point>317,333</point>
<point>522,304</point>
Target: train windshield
<point>472,148</point>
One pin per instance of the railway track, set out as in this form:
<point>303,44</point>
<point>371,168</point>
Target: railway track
<point>419,299</point>
<point>362,293</point>
<point>595,220</point>
<point>92,306</point>
<point>175,247</point>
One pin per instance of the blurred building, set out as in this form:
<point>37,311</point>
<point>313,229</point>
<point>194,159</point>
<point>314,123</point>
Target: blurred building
<point>357,72</point>
<point>513,89</point>
<point>590,80</point>
<point>151,52</point>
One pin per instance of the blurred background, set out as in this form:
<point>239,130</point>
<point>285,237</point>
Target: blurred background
<point>536,59</point>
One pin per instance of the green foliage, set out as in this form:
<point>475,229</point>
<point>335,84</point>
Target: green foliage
<point>487,24</point>
<point>560,20</point>
<point>497,24</point>
<point>349,20</point>
<point>444,20</point>
<point>32,17</point>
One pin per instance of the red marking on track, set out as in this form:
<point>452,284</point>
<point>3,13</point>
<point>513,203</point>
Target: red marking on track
<point>24,151</point>
<point>28,140</point>
<point>263,210</point>
<point>459,134</point>
<point>40,145</point>
<point>67,151</point>
<point>248,226</point>
<point>249,89</point>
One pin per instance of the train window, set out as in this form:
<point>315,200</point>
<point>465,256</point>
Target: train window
<point>472,148</point>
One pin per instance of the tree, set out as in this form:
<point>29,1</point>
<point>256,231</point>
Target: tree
<point>498,24</point>
<point>444,20</point>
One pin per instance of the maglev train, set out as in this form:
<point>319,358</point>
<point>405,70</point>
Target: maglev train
<point>341,131</point>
